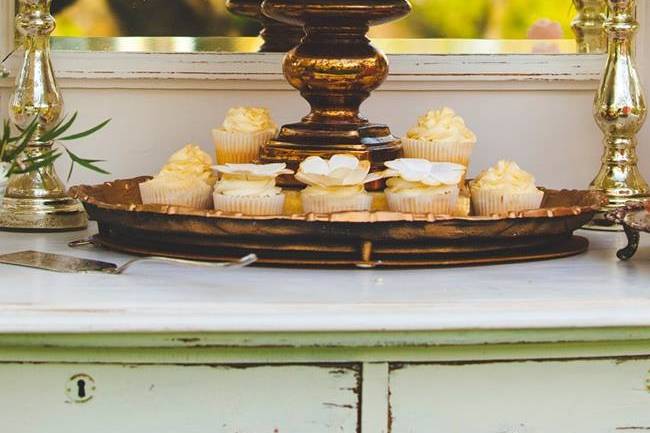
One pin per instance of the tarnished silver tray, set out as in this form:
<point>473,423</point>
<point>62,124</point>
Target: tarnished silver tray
<point>363,239</point>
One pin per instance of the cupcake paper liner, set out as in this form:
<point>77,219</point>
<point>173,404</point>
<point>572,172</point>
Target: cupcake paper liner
<point>239,147</point>
<point>463,206</point>
<point>436,151</point>
<point>334,203</point>
<point>199,196</point>
<point>436,203</point>
<point>495,202</point>
<point>250,205</point>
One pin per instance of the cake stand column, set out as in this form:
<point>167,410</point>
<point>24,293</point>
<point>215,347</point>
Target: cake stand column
<point>37,201</point>
<point>620,111</point>
<point>335,68</point>
<point>278,37</point>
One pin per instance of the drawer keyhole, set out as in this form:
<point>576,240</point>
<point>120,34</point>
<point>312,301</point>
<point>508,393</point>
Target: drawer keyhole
<point>81,388</point>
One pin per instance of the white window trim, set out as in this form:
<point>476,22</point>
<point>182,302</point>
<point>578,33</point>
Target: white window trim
<point>264,71</point>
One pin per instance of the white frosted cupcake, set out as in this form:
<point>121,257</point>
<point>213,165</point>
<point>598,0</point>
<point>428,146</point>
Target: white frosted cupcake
<point>243,132</point>
<point>440,136</point>
<point>504,188</point>
<point>186,180</point>
<point>335,185</point>
<point>423,187</point>
<point>250,189</point>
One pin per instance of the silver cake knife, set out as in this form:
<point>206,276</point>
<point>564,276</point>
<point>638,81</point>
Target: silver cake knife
<point>70,264</point>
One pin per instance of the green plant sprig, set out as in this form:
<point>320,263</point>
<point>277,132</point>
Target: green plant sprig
<point>13,147</point>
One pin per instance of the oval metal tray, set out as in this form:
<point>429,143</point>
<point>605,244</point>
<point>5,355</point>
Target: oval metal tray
<point>362,239</point>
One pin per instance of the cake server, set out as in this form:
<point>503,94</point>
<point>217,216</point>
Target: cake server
<point>70,264</point>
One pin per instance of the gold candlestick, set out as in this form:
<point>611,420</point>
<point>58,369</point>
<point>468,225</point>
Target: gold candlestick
<point>278,37</point>
<point>37,201</point>
<point>620,111</point>
<point>588,25</point>
<point>335,68</point>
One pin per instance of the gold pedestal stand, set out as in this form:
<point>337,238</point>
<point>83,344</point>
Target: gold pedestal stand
<point>588,26</point>
<point>335,68</point>
<point>37,201</point>
<point>278,37</point>
<point>620,111</point>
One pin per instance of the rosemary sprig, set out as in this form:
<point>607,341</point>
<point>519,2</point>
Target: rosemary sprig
<point>87,163</point>
<point>12,148</point>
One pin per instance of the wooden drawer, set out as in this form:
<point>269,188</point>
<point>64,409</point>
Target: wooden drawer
<point>574,396</point>
<point>178,399</point>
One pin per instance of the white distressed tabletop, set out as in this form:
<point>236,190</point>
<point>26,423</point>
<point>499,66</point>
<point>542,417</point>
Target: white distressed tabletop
<point>591,290</point>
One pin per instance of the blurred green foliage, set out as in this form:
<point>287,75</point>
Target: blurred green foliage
<point>509,19</point>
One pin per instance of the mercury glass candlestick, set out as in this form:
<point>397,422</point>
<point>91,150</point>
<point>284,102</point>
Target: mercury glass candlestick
<point>620,111</point>
<point>37,201</point>
<point>278,37</point>
<point>335,68</point>
<point>588,26</point>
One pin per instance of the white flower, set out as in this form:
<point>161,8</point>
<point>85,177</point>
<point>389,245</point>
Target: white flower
<point>340,170</point>
<point>254,171</point>
<point>425,172</point>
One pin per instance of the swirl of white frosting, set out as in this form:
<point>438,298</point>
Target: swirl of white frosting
<point>190,162</point>
<point>441,126</point>
<point>248,120</point>
<point>505,175</point>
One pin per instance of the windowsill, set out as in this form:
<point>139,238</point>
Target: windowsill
<point>251,45</point>
<point>204,70</point>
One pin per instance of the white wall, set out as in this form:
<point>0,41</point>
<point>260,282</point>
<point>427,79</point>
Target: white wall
<point>551,133</point>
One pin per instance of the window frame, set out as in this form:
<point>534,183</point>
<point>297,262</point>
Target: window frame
<point>81,69</point>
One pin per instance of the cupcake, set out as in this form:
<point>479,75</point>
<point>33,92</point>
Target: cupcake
<point>335,185</point>
<point>423,187</point>
<point>440,136</point>
<point>504,188</point>
<point>186,180</point>
<point>250,189</point>
<point>243,132</point>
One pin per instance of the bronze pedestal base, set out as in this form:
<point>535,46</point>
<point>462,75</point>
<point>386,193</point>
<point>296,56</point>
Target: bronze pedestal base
<point>299,141</point>
<point>335,68</point>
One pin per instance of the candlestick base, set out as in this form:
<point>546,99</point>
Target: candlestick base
<point>42,215</point>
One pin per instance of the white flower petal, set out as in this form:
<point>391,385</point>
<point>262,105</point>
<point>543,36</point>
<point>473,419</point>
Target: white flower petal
<point>426,172</point>
<point>256,170</point>
<point>340,170</point>
<point>315,165</point>
<point>343,161</point>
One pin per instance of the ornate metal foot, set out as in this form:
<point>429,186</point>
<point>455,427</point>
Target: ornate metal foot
<point>633,217</point>
<point>630,250</point>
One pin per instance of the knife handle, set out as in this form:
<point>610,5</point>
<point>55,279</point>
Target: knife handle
<point>244,261</point>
